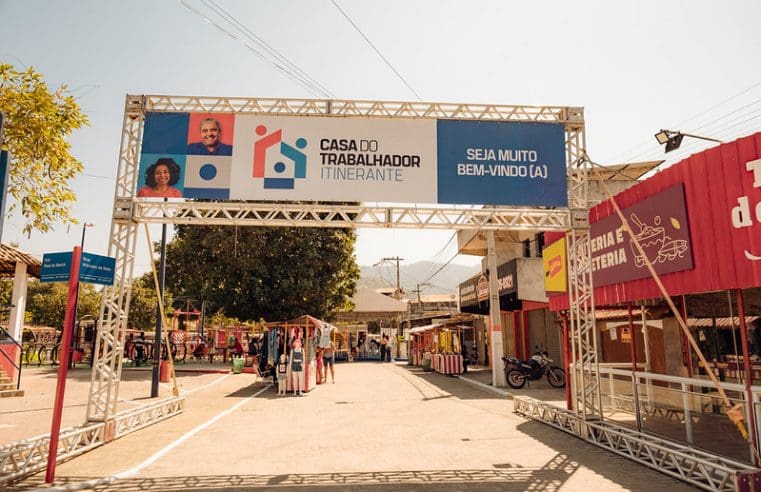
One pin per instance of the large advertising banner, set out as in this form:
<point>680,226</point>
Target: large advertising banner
<point>228,156</point>
<point>660,225</point>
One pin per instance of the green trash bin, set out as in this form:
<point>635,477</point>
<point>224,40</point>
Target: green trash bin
<point>426,365</point>
<point>238,364</point>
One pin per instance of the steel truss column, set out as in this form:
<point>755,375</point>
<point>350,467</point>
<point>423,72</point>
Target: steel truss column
<point>585,379</point>
<point>107,367</point>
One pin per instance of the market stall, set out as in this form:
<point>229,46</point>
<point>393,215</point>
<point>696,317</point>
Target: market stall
<point>307,330</point>
<point>438,347</point>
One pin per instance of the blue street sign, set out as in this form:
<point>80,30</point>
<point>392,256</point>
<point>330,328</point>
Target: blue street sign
<point>97,269</point>
<point>55,267</point>
<point>94,269</point>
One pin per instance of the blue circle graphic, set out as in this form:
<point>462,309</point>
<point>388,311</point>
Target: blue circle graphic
<point>208,172</point>
<point>279,167</point>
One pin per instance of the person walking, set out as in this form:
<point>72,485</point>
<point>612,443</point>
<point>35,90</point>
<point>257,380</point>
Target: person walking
<point>383,343</point>
<point>328,359</point>
<point>318,357</point>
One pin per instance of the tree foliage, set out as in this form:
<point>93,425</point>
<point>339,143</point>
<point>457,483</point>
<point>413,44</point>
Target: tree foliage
<point>142,304</point>
<point>37,124</point>
<point>46,302</point>
<point>258,272</point>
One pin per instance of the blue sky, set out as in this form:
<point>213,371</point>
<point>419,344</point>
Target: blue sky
<point>635,67</point>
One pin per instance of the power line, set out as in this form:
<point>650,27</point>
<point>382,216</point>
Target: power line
<point>313,89</point>
<point>744,91</point>
<point>645,143</point>
<point>720,130</point>
<point>110,178</point>
<point>376,50</point>
<point>266,46</point>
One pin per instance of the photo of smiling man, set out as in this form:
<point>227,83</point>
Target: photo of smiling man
<point>211,139</point>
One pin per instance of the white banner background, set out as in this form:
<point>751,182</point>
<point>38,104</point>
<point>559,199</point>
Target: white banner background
<point>393,137</point>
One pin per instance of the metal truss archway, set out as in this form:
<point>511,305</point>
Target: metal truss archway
<point>104,423</point>
<point>129,212</point>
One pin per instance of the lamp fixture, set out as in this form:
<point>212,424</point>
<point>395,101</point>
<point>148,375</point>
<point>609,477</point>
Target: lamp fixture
<point>673,139</point>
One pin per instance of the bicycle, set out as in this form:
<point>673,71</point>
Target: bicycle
<point>48,353</point>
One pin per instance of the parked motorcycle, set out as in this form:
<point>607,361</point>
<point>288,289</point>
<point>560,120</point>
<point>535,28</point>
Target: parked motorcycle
<point>537,366</point>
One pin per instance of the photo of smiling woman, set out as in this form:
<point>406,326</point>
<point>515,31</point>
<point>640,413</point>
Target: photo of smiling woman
<point>160,178</point>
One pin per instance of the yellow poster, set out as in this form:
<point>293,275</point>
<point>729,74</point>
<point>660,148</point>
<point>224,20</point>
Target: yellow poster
<point>555,267</point>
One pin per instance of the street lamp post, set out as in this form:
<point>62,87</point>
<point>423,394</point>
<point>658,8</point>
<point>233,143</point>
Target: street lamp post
<point>159,319</point>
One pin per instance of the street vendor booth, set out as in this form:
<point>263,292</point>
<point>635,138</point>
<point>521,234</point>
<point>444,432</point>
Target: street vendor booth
<point>280,337</point>
<point>438,347</point>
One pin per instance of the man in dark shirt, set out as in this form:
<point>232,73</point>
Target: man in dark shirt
<point>209,144</point>
<point>140,349</point>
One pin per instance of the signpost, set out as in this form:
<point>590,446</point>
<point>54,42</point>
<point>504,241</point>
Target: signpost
<point>63,365</point>
<point>62,267</point>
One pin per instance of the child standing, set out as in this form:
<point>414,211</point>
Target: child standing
<point>297,368</point>
<point>282,371</point>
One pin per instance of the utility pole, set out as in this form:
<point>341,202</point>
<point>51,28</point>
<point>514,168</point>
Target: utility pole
<point>417,291</point>
<point>398,293</point>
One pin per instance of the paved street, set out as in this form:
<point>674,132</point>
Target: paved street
<point>379,427</point>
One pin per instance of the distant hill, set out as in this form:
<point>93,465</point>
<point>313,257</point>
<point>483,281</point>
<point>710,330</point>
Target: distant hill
<point>445,282</point>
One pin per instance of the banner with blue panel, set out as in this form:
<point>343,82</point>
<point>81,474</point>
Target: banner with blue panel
<point>227,156</point>
<point>501,163</point>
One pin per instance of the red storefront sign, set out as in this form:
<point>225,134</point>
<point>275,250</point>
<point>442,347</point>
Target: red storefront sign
<point>722,189</point>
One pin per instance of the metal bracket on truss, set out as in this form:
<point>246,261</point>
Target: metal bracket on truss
<point>123,209</point>
<point>134,106</point>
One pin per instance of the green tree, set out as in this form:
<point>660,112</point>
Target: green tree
<point>37,124</point>
<point>261,272</point>
<point>46,302</point>
<point>142,304</point>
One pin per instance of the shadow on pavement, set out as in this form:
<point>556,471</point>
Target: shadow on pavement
<point>449,385</point>
<point>622,471</point>
<point>506,477</point>
<point>596,459</point>
<point>84,374</point>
